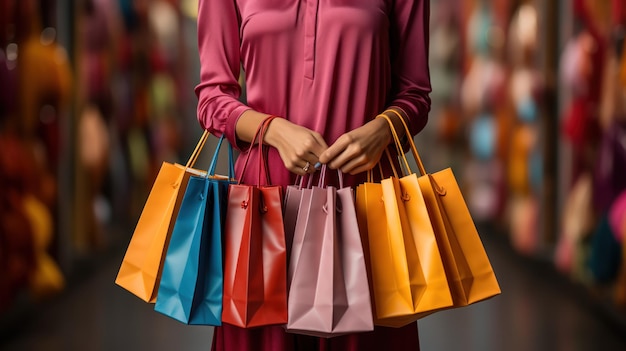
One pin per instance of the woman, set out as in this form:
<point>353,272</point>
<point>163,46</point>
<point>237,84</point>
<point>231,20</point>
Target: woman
<point>327,68</point>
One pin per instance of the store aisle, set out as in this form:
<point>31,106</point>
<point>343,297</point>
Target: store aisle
<point>535,313</point>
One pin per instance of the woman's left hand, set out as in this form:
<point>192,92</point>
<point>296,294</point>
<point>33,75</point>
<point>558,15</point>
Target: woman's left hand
<point>360,149</point>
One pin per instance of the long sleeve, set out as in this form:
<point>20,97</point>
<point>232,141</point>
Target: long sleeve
<point>218,43</point>
<point>409,56</point>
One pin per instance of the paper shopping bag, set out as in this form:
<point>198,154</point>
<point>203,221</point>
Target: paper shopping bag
<point>467,266</point>
<point>190,289</point>
<point>140,270</point>
<point>407,274</point>
<point>255,262</point>
<point>329,290</point>
<point>291,205</point>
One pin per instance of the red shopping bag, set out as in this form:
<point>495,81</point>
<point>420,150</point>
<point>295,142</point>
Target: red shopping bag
<point>255,260</point>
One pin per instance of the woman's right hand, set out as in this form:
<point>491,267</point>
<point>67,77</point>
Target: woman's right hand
<point>298,147</point>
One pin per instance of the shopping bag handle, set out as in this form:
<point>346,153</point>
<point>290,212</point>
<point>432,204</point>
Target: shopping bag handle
<point>196,152</point>
<point>322,179</point>
<point>405,168</point>
<point>198,149</point>
<point>231,166</point>
<point>398,143</point>
<point>370,172</point>
<point>263,166</point>
<point>416,155</point>
<point>299,181</point>
<point>259,134</point>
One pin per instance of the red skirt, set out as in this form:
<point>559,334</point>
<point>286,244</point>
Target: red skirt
<point>231,338</point>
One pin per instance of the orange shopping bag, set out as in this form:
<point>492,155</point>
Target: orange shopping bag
<point>140,271</point>
<point>468,269</point>
<point>406,270</point>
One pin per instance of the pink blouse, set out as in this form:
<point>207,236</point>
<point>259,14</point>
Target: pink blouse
<point>328,65</point>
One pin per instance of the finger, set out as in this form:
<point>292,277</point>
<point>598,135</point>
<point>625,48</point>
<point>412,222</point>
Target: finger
<point>304,168</point>
<point>317,147</point>
<point>312,160</point>
<point>297,170</point>
<point>354,165</point>
<point>357,169</point>
<point>309,159</point>
<point>320,141</point>
<point>307,150</point>
<point>334,151</point>
<point>345,160</point>
<point>296,164</point>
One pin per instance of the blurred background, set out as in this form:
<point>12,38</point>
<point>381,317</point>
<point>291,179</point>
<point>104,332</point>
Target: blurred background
<point>528,110</point>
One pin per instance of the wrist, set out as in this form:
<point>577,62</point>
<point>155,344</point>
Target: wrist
<point>381,126</point>
<point>390,125</point>
<point>398,121</point>
<point>273,134</point>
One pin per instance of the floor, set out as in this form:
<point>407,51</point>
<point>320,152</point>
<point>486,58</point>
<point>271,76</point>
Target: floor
<point>536,311</point>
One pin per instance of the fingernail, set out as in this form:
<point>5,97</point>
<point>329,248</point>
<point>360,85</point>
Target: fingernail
<point>317,165</point>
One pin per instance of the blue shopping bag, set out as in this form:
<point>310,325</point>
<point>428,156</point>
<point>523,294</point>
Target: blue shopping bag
<point>191,284</point>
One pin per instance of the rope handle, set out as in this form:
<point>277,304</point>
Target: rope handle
<point>231,166</point>
<point>322,179</point>
<point>263,166</point>
<point>196,152</point>
<point>398,143</point>
<point>416,155</point>
<point>370,172</point>
<point>257,135</point>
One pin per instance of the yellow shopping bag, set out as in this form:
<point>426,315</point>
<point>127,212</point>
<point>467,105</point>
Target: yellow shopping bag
<point>140,271</point>
<point>469,271</point>
<point>441,264</point>
<point>407,277</point>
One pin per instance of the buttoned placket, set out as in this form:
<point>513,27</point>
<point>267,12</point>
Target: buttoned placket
<point>310,34</point>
